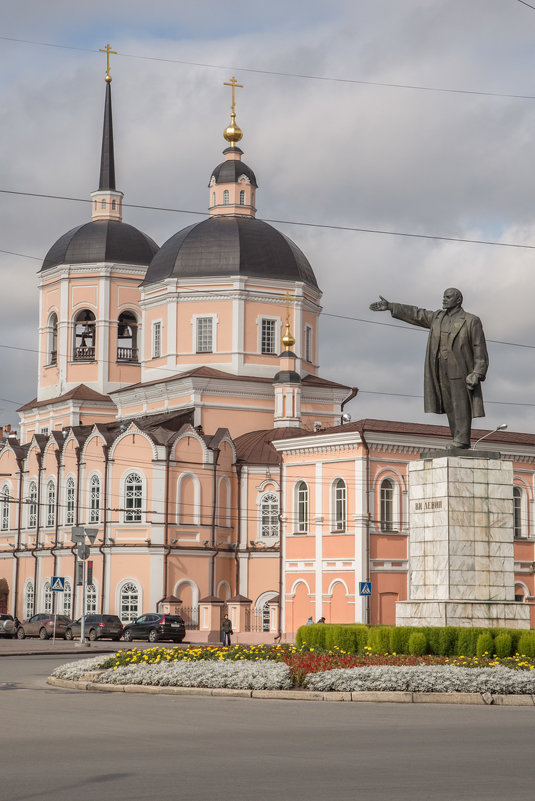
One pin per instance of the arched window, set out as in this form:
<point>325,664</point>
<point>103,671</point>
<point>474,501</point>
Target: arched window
<point>129,602</point>
<point>32,507</point>
<point>519,512</point>
<point>90,599</point>
<point>127,350</point>
<point>94,500</point>
<point>387,505</point>
<point>301,504</point>
<point>339,501</point>
<point>103,204</point>
<point>133,495</point>
<point>5,508</point>
<point>84,328</point>
<point>67,598</point>
<point>226,197</point>
<point>113,205</point>
<point>70,496</point>
<point>47,598</point>
<point>52,338</point>
<point>50,504</point>
<point>269,515</point>
<point>29,599</point>
<point>213,198</point>
<point>242,197</point>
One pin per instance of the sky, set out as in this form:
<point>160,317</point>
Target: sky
<point>401,116</point>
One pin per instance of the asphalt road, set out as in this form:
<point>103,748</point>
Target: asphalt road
<point>68,745</point>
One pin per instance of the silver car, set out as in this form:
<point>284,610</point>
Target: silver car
<point>42,626</point>
<point>7,626</point>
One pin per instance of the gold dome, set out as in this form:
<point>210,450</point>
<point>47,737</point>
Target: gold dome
<point>233,133</point>
<point>288,339</point>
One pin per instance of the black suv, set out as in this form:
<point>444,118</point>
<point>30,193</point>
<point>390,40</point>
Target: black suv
<point>154,627</point>
<point>96,627</point>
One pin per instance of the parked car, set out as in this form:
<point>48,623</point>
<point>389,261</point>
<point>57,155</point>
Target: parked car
<point>7,626</point>
<point>42,626</point>
<point>96,627</point>
<point>154,627</point>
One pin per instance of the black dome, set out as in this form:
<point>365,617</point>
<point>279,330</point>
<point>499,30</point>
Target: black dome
<point>228,172</point>
<point>101,240</point>
<point>229,245</point>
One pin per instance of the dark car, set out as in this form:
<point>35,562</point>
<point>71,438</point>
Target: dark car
<point>42,625</point>
<point>97,627</point>
<point>7,626</point>
<point>154,627</point>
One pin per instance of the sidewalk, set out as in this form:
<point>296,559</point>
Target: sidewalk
<point>34,646</point>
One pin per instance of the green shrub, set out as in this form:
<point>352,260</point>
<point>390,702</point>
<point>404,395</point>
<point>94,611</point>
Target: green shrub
<point>447,640</point>
<point>526,643</point>
<point>432,635</point>
<point>313,636</point>
<point>339,636</point>
<point>399,639</point>
<point>503,644</point>
<point>485,644</point>
<point>467,641</point>
<point>361,638</point>
<point>418,644</point>
<point>379,639</point>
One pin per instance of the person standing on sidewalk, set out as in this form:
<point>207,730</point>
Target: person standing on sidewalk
<point>226,630</point>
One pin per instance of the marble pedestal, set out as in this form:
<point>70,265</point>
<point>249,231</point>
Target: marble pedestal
<point>461,561</point>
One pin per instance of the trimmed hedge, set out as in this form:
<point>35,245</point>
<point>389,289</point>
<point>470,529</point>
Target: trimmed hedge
<point>442,641</point>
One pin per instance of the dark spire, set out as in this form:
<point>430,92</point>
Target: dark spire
<point>107,160</point>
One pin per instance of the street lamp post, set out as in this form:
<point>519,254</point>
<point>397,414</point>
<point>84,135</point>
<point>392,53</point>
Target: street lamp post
<point>78,535</point>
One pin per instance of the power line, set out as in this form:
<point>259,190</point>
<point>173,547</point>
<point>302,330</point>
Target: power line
<point>281,74</point>
<point>526,4</point>
<point>357,229</point>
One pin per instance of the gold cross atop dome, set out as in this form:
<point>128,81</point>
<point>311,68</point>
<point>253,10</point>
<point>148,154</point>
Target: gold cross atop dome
<point>233,133</point>
<point>107,50</point>
<point>288,340</point>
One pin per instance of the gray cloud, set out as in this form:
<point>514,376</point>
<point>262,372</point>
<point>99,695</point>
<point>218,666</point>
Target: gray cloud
<point>325,152</point>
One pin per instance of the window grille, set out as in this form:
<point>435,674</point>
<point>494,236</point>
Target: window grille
<point>50,504</point>
<point>204,335</point>
<point>340,505</point>
<point>226,197</point>
<point>133,498</point>
<point>302,507</point>
<point>308,344</point>
<point>268,336</point>
<point>29,599</point>
<point>69,515</point>
<point>129,602</point>
<point>32,508</point>
<point>269,515</point>
<point>90,599</point>
<point>517,511</point>
<point>156,340</point>
<point>387,505</point>
<point>94,500</point>
<point>5,509</point>
<point>47,598</point>
<point>242,197</point>
<point>67,598</point>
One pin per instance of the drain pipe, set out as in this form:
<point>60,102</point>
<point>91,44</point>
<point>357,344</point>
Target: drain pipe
<point>212,528</point>
<point>105,451</point>
<point>39,458</point>
<point>78,453</point>
<point>238,529</point>
<point>367,449</point>
<point>167,547</point>
<point>281,548</point>
<point>17,542</point>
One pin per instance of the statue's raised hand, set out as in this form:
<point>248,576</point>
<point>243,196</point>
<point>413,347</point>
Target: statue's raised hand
<point>380,305</point>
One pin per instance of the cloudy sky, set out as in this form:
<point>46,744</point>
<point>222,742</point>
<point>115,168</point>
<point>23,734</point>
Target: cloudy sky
<point>404,116</point>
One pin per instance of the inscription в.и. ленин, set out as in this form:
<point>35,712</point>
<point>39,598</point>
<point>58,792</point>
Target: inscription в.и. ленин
<point>425,506</point>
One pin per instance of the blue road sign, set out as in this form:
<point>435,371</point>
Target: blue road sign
<point>365,588</point>
<point>58,584</point>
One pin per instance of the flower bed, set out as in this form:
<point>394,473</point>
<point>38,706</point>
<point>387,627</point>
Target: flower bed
<point>282,667</point>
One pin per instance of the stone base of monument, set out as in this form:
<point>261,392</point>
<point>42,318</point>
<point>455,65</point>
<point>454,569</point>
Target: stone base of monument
<point>461,560</point>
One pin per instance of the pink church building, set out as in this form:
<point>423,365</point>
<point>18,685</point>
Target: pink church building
<point>218,470</point>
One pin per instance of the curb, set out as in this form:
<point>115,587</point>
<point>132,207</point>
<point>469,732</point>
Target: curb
<point>481,699</point>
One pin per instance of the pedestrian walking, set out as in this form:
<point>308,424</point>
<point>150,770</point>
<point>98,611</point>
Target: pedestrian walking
<point>226,630</point>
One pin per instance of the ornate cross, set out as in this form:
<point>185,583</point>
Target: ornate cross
<point>234,83</point>
<point>108,50</point>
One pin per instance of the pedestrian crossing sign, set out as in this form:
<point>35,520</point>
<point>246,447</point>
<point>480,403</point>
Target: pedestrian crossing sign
<point>365,588</point>
<point>58,584</point>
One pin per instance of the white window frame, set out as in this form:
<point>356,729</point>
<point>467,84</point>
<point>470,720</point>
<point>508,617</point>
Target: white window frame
<point>268,519</point>
<point>52,339</point>
<point>339,505</point>
<point>29,599</point>
<point>50,503</point>
<point>67,598</point>
<point>226,197</point>
<point>276,334</point>
<point>47,597</point>
<point>520,512</point>
<point>4,497</point>
<point>135,510</point>
<point>309,344</point>
<point>215,322</point>
<point>94,499</point>
<point>133,587</point>
<point>301,507</point>
<point>386,504</point>
<point>32,504</point>
<point>91,599</point>
<point>156,339</point>
<point>70,501</point>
